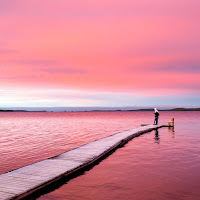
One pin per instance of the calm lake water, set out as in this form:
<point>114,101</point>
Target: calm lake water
<point>163,165</point>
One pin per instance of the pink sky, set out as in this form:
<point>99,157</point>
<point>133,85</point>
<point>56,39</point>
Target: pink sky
<point>99,53</point>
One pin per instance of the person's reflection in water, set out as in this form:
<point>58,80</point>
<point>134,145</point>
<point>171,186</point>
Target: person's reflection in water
<point>157,139</point>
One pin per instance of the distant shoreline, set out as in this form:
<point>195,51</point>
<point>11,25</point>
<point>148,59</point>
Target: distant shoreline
<point>117,110</point>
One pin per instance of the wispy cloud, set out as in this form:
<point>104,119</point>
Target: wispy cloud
<point>64,70</point>
<point>180,69</point>
<point>7,51</point>
<point>36,62</point>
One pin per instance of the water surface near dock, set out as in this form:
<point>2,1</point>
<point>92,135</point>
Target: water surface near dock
<point>166,165</point>
<point>26,138</point>
<point>160,165</point>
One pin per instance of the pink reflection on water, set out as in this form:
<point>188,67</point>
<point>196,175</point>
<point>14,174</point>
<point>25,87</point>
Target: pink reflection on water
<point>144,168</point>
<point>28,137</point>
<point>152,164</point>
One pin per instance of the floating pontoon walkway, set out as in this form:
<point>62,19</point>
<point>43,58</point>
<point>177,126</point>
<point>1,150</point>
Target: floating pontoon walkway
<point>25,181</point>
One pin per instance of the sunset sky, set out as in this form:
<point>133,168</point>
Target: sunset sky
<point>99,53</point>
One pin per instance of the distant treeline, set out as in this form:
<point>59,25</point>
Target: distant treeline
<point>145,109</point>
<point>13,111</point>
<point>185,109</point>
<point>20,111</point>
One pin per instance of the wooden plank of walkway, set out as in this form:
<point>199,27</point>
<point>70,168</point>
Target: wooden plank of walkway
<point>24,181</point>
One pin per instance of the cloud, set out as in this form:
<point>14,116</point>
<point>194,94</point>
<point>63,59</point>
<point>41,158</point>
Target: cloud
<point>36,62</point>
<point>47,65</point>
<point>63,70</point>
<point>89,8</point>
<point>183,66</point>
<point>67,98</point>
<point>6,5</point>
<point>188,69</point>
<point>7,51</point>
<point>170,66</point>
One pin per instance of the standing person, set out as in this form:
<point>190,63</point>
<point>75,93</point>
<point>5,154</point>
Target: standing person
<point>156,113</point>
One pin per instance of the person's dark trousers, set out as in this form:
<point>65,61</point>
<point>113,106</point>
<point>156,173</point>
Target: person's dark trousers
<point>156,120</point>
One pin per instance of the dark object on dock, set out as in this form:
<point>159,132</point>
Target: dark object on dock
<point>145,124</point>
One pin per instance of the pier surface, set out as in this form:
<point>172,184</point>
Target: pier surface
<point>24,181</point>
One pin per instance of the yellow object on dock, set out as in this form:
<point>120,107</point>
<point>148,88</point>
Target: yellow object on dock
<point>172,121</point>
